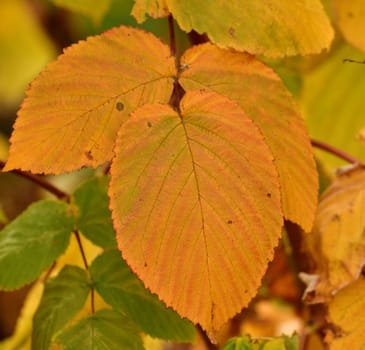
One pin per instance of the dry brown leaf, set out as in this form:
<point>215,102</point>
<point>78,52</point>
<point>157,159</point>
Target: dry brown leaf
<point>337,243</point>
<point>346,311</point>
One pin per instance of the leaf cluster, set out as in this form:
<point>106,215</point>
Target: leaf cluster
<point>208,157</point>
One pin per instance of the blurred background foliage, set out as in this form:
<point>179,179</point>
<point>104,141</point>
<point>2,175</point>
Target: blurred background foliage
<point>328,90</point>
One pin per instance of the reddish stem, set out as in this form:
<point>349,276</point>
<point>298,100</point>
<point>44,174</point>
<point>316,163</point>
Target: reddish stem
<point>335,151</point>
<point>178,92</point>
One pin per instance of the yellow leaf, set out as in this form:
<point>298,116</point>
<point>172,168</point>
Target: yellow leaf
<point>333,102</point>
<point>338,240</point>
<point>346,312</point>
<point>94,9</point>
<point>25,50</point>
<point>261,94</point>
<point>196,205</point>
<point>273,28</point>
<point>74,109</point>
<point>351,21</point>
<point>154,8</point>
<point>361,136</point>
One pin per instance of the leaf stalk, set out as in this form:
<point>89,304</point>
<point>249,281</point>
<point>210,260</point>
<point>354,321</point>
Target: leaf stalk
<point>40,181</point>
<point>335,151</point>
<point>86,265</point>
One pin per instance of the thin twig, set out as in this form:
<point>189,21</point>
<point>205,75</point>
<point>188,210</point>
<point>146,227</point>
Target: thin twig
<point>40,181</point>
<point>49,272</point>
<point>86,265</point>
<point>353,61</point>
<point>78,238</point>
<point>335,151</point>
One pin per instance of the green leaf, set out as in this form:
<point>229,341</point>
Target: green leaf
<point>239,343</point>
<point>94,9</point>
<point>279,343</point>
<point>94,220</point>
<point>63,297</point>
<point>119,287</point>
<point>104,330</point>
<point>30,243</point>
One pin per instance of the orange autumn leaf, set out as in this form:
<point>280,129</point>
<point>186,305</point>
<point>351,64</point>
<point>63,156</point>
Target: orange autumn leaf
<point>337,243</point>
<point>196,205</point>
<point>74,109</point>
<point>346,312</point>
<point>265,99</point>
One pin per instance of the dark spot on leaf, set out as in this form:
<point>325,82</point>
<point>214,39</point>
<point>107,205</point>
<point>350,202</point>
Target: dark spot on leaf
<point>145,264</point>
<point>120,106</point>
<point>231,31</point>
<point>149,124</point>
<point>229,222</point>
<point>268,195</point>
<point>350,14</point>
<point>335,217</point>
<point>89,155</point>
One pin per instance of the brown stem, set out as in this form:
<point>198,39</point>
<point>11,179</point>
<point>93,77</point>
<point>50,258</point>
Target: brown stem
<point>172,36</point>
<point>335,151</point>
<point>178,92</point>
<point>49,272</point>
<point>86,265</point>
<point>40,182</point>
<point>78,238</point>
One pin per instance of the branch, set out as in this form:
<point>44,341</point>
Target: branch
<point>336,152</point>
<point>40,182</point>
